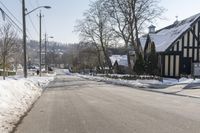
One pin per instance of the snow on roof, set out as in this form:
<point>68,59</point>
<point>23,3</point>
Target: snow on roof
<point>165,37</point>
<point>121,60</point>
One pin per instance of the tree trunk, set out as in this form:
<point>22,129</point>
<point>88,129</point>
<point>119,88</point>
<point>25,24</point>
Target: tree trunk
<point>99,60</point>
<point>107,59</point>
<point>128,56</point>
<point>138,45</point>
<point>108,62</point>
<point>4,66</point>
<point>129,63</point>
<point>4,59</point>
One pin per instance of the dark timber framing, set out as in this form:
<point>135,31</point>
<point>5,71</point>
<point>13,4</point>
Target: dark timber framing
<point>181,53</point>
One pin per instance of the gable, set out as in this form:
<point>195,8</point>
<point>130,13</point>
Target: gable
<point>167,36</point>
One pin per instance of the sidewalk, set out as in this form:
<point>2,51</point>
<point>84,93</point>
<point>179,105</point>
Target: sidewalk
<point>187,90</point>
<point>183,87</point>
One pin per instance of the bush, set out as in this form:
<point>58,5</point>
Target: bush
<point>8,73</point>
<point>151,64</point>
<point>139,65</point>
<point>133,77</point>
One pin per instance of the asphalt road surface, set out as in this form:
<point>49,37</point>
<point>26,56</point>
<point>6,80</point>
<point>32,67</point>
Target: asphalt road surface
<point>75,105</point>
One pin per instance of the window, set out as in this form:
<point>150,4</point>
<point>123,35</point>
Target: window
<point>195,54</point>
<point>190,52</point>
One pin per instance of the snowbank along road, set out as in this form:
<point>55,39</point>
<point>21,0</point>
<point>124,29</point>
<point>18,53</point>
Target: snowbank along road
<point>75,105</point>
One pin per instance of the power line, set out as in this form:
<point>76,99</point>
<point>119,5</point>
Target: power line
<point>20,1</point>
<point>10,13</point>
<point>31,21</point>
<point>34,27</point>
<point>44,24</point>
<point>12,22</point>
<point>11,19</point>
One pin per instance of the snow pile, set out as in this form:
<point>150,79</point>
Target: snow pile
<point>183,87</point>
<point>151,83</point>
<point>62,71</point>
<point>132,83</point>
<point>16,97</point>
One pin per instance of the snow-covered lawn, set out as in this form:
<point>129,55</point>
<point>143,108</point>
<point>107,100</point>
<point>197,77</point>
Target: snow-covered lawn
<point>134,83</point>
<point>16,97</point>
<point>184,86</point>
<point>143,83</point>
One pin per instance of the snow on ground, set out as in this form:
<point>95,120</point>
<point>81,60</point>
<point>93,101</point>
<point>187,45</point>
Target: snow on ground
<point>121,60</point>
<point>16,97</point>
<point>183,87</point>
<point>141,82</point>
<point>135,83</point>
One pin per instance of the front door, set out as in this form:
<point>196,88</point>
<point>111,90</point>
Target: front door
<point>186,67</point>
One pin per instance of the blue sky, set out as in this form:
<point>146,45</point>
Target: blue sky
<point>61,19</point>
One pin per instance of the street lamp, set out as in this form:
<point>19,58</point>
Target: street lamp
<point>40,41</point>
<point>24,31</point>
<point>47,7</point>
<point>46,40</point>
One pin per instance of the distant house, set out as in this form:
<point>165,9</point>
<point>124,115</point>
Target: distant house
<point>177,45</point>
<point>119,63</point>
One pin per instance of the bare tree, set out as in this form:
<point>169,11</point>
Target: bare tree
<point>95,28</point>
<point>129,17</point>
<point>119,22</point>
<point>146,11</point>
<point>8,45</point>
<point>87,35</point>
<point>52,56</point>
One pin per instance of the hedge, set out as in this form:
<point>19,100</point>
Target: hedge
<point>8,73</point>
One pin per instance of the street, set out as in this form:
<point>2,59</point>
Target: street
<point>74,105</point>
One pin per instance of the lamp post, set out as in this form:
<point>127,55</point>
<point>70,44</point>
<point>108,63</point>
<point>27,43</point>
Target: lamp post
<point>46,40</point>
<point>24,31</point>
<point>40,42</point>
<point>24,37</point>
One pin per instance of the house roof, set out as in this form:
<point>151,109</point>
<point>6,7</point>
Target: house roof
<point>121,60</point>
<point>165,37</point>
<point>152,26</point>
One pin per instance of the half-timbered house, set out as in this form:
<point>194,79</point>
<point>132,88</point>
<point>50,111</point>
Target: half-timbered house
<point>177,45</point>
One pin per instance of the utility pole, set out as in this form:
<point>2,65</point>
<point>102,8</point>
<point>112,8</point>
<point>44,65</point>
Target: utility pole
<point>40,41</point>
<point>24,33</point>
<point>46,69</point>
<point>24,37</point>
<point>46,41</point>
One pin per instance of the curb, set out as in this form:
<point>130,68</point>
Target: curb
<point>146,88</point>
